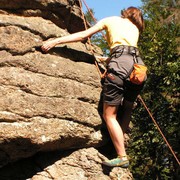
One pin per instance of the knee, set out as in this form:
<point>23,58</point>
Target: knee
<point>108,117</point>
<point>105,117</point>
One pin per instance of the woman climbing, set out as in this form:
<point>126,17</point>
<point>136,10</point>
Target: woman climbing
<point>122,37</point>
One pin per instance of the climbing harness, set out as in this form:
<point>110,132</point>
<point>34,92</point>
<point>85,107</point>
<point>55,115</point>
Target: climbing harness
<point>137,74</point>
<point>141,77</point>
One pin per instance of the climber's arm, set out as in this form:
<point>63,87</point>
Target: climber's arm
<point>79,36</point>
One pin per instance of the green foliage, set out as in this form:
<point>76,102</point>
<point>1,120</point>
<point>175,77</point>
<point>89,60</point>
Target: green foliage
<point>152,158</point>
<point>98,40</point>
<point>89,18</point>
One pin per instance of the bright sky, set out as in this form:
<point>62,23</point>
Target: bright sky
<point>105,8</point>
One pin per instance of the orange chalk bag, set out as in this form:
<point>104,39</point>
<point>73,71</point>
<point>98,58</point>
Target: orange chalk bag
<point>138,74</point>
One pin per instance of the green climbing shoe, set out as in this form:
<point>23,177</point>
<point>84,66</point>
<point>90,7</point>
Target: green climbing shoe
<point>117,162</point>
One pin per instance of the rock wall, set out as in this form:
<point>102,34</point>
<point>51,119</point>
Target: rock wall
<point>48,102</point>
<point>64,13</point>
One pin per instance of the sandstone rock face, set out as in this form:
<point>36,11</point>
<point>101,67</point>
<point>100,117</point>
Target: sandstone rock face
<point>64,13</point>
<point>83,164</point>
<point>48,102</point>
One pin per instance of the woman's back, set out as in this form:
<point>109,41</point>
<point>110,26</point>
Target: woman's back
<point>120,31</point>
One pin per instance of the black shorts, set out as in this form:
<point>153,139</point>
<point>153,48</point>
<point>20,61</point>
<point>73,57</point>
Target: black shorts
<point>113,93</point>
<point>116,86</point>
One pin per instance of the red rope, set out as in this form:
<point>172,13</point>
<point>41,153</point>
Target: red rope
<point>150,114</point>
<point>96,64</point>
<point>89,11</point>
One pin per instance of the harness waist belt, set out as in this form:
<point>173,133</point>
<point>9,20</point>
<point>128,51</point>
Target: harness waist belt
<point>123,49</point>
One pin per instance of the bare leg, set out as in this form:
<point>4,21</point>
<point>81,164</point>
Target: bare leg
<point>126,115</point>
<point>115,130</point>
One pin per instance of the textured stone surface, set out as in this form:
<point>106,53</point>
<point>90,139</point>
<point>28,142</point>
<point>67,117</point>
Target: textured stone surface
<point>48,102</point>
<point>83,164</point>
<point>64,13</point>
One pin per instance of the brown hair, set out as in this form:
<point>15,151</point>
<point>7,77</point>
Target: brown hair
<point>135,16</point>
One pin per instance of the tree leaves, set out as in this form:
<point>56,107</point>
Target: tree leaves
<point>159,46</point>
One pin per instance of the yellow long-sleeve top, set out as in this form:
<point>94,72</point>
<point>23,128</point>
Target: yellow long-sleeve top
<point>119,31</point>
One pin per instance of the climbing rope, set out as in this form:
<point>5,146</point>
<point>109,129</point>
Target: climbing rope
<point>89,10</point>
<point>139,97</point>
<point>89,41</point>
<point>84,21</point>
<point>150,114</point>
